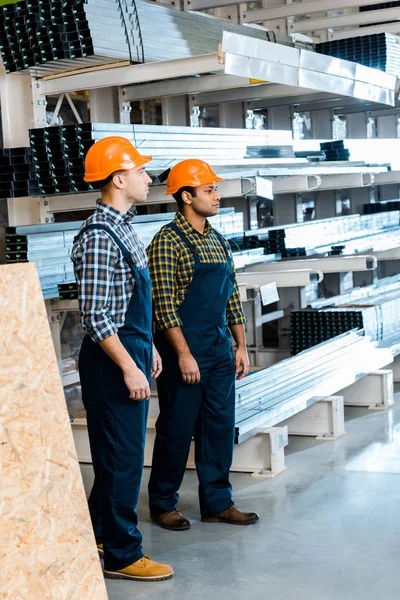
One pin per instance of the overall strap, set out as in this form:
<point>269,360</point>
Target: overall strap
<point>224,243</point>
<point>125,252</point>
<point>185,240</point>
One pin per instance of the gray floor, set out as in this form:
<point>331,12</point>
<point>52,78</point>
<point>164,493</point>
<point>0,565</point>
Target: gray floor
<point>329,529</point>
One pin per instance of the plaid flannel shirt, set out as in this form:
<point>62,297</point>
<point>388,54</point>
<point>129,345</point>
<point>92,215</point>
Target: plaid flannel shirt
<point>105,281</point>
<point>171,266</point>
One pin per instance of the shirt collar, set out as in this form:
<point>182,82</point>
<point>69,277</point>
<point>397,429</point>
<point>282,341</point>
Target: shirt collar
<point>187,228</point>
<point>114,215</point>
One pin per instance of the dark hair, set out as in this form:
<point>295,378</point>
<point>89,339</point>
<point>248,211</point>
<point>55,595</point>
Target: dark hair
<point>102,184</point>
<point>178,195</point>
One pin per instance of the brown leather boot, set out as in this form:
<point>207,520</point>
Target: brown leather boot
<point>233,516</point>
<point>174,521</point>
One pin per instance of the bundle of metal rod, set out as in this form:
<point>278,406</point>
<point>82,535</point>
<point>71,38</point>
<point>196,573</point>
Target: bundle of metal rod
<point>17,173</point>
<point>49,246</point>
<point>354,233</point>
<point>379,317</point>
<point>269,396</point>
<point>50,36</point>
<point>378,207</point>
<point>58,152</point>
<point>379,51</point>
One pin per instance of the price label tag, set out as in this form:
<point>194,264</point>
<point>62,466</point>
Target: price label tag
<point>269,294</point>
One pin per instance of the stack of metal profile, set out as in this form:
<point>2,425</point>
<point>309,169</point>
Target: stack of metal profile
<point>17,173</point>
<point>335,151</point>
<point>355,233</point>
<point>379,317</point>
<point>269,396</point>
<point>378,207</point>
<point>49,246</point>
<point>380,6</point>
<point>44,37</point>
<point>58,156</point>
<point>378,51</point>
<point>68,291</point>
<point>58,152</point>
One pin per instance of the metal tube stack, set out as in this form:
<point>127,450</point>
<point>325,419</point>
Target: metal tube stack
<point>269,396</point>
<point>378,51</point>
<point>59,152</point>
<point>45,37</point>
<point>378,316</point>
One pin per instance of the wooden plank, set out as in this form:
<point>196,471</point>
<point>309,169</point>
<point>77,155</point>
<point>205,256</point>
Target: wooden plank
<point>113,65</point>
<point>47,547</point>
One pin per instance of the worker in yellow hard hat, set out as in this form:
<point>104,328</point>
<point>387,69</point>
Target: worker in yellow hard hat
<point>116,360</point>
<point>197,310</point>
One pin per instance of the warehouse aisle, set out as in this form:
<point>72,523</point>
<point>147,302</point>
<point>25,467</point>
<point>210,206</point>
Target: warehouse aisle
<point>329,529</point>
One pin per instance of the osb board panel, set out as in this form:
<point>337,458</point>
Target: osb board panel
<point>47,547</point>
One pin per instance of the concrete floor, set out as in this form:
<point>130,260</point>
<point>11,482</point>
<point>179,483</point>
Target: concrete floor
<point>329,528</point>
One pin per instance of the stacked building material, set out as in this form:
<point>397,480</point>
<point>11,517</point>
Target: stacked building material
<point>335,151</point>
<point>269,396</point>
<point>378,207</point>
<point>379,317</point>
<point>378,51</point>
<point>58,152</point>
<point>17,173</point>
<point>49,246</point>
<point>50,36</point>
<point>58,156</point>
<point>276,244</point>
<point>354,233</point>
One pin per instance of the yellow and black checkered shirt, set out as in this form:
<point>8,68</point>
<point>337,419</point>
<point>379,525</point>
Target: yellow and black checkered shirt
<point>171,266</point>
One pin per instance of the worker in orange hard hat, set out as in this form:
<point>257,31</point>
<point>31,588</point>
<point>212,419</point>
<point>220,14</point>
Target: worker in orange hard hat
<point>116,360</point>
<point>197,310</point>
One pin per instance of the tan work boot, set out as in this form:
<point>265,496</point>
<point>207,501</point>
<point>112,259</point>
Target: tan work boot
<point>100,550</point>
<point>232,515</point>
<point>143,569</point>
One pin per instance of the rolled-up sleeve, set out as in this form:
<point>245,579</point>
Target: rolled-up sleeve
<point>94,272</point>
<point>234,309</point>
<point>163,262</point>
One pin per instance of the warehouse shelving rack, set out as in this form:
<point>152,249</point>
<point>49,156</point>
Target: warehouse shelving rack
<point>23,101</point>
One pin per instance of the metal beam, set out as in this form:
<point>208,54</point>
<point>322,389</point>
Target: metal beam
<point>391,254</point>
<point>349,33</point>
<point>153,71</point>
<point>330,264</point>
<point>339,182</point>
<point>282,279</point>
<point>295,10</point>
<point>254,92</point>
<point>389,178</point>
<point>363,18</point>
<point>178,87</point>
<point>293,184</point>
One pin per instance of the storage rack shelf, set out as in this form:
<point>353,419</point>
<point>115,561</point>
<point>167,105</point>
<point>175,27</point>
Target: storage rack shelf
<point>249,183</point>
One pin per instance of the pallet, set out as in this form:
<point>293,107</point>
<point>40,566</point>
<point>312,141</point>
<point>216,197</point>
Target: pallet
<point>113,65</point>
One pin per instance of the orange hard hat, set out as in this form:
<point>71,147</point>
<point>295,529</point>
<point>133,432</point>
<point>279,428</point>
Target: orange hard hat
<point>192,173</point>
<point>111,154</point>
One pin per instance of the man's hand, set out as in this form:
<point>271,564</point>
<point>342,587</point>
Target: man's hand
<point>136,383</point>
<point>157,363</point>
<point>241,363</point>
<point>189,368</point>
